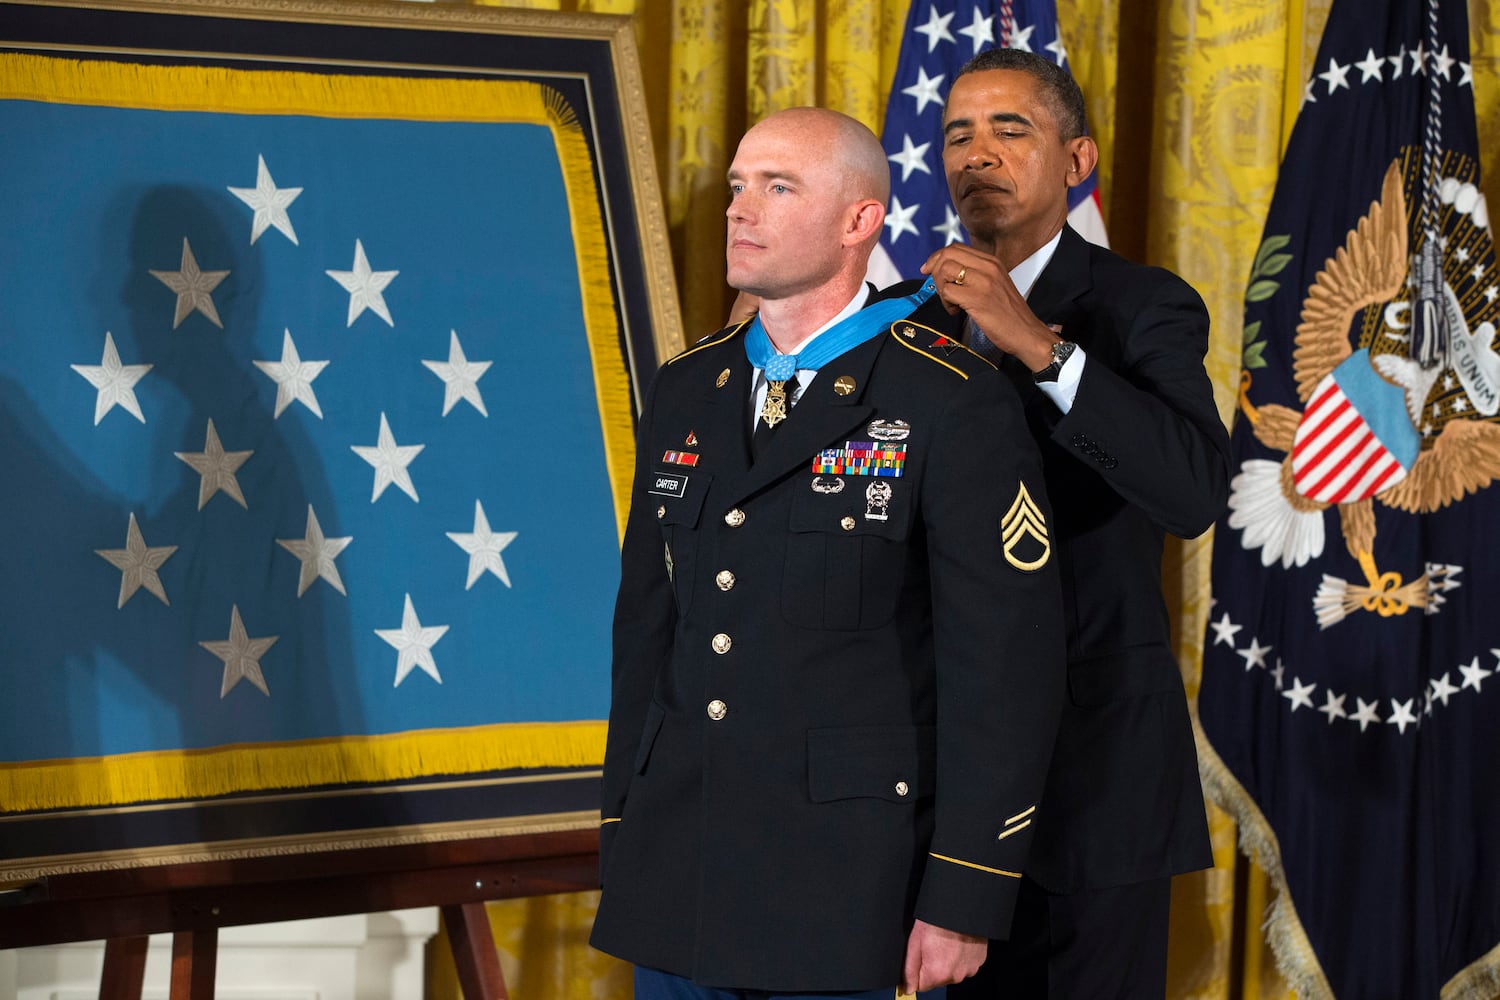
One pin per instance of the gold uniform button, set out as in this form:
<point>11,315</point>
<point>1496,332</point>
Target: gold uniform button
<point>722,643</point>
<point>735,518</point>
<point>661,512</point>
<point>847,523</point>
<point>717,710</point>
<point>725,580</point>
<point>902,788</point>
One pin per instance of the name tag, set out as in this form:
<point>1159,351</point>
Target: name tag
<point>668,485</point>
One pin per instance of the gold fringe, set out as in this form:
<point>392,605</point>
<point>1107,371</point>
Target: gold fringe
<point>1480,981</point>
<point>611,380</point>
<point>198,773</point>
<point>1295,958</point>
<point>192,774</point>
<point>217,89</point>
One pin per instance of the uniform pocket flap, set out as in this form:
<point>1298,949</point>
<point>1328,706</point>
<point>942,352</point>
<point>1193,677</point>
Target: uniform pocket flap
<point>862,505</point>
<point>897,764</point>
<point>678,496</point>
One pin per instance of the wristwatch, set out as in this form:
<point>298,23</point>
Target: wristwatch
<point>1061,352</point>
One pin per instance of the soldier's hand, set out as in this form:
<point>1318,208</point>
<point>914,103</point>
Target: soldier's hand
<point>936,957</point>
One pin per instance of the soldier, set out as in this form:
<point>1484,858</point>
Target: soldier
<point>838,637</point>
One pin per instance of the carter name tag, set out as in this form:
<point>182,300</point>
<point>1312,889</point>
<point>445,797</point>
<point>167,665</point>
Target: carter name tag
<point>668,485</point>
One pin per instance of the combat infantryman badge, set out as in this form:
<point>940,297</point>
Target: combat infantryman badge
<point>889,430</point>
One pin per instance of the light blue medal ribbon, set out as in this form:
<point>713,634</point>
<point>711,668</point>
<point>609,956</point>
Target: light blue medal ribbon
<point>845,335</point>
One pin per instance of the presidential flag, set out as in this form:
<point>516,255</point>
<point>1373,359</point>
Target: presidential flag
<point>305,465</point>
<point>1349,692</point>
<point>940,36</point>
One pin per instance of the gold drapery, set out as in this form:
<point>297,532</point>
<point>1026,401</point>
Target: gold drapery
<point>1191,102</point>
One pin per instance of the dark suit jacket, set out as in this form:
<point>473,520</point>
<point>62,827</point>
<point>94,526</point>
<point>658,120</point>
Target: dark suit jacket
<point>831,712</point>
<point>1141,453</point>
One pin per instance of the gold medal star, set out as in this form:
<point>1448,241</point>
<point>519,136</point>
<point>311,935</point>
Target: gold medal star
<point>193,288</point>
<point>138,564</point>
<point>241,655</point>
<point>216,467</point>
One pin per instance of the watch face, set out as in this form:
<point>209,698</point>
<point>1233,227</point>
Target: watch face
<point>1061,351</point>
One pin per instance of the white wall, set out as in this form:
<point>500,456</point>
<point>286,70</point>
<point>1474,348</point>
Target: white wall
<point>376,956</point>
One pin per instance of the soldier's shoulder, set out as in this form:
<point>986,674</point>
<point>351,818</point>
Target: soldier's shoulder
<point>706,346</point>
<point>940,351</point>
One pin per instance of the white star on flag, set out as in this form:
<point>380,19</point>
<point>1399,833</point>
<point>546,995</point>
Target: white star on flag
<point>364,287</point>
<point>1333,706</point>
<point>1254,654</point>
<point>1398,62</point>
<point>1370,67</point>
<point>1442,690</point>
<point>1016,37</point>
<point>1365,714</point>
<point>390,461</point>
<point>925,90</point>
<point>1474,674</point>
<point>981,31</point>
<point>1336,76</point>
<point>1299,693</point>
<point>950,227</point>
<point>241,655</point>
<point>1401,714</point>
<point>216,468</point>
<point>293,377</point>
<point>269,202</point>
<point>1059,54</point>
<point>413,643</point>
<point>316,554</point>
<point>115,382</point>
<point>936,28</point>
<point>138,563</point>
<point>194,288</point>
<point>899,219</point>
<point>1224,632</point>
<point>911,157</point>
<point>484,547</point>
<point>1418,57</point>
<point>460,376</point>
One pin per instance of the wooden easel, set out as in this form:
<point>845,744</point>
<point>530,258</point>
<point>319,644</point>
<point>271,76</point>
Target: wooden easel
<point>192,901</point>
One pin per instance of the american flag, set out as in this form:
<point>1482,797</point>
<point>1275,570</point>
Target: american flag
<point>942,35</point>
<point>300,428</point>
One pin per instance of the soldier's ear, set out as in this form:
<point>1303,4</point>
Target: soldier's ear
<point>866,218</point>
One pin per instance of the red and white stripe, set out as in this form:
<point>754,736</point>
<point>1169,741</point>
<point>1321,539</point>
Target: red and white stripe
<point>1336,457</point>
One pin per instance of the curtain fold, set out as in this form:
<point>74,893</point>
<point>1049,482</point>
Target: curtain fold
<point>1191,102</point>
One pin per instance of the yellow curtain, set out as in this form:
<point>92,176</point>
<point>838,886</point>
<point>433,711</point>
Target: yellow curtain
<point>1191,102</point>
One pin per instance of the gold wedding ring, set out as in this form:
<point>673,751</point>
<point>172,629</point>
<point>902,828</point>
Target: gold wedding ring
<point>961,272</point>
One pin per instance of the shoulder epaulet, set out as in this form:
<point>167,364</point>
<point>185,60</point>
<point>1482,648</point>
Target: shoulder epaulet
<point>713,339</point>
<point>934,346</point>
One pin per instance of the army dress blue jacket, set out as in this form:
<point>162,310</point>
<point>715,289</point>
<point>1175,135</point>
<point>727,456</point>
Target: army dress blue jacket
<point>837,670</point>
